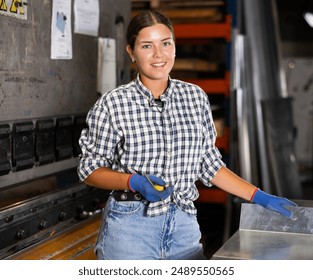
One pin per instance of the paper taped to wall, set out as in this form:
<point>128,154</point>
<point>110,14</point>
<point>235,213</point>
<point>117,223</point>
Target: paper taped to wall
<point>106,79</point>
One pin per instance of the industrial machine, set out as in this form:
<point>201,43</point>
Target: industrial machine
<point>43,106</point>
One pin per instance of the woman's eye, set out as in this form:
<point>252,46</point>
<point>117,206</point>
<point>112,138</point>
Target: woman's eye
<point>166,44</point>
<point>147,46</point>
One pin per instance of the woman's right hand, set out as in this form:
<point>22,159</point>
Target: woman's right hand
<point>145,185</point>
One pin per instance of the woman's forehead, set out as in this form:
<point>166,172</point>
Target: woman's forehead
<point>155,32</point>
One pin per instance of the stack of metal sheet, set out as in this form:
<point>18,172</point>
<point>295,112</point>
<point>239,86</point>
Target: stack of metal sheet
<point>267,235</point>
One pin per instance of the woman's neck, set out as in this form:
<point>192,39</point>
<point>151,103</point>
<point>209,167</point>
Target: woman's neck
<point>157,87</point>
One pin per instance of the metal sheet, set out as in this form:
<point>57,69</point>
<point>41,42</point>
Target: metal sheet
<point>268,79</point>
<point>264,245</point>
<point>257,218</point>
<point>244,111</point>
<point>280,142</point>
<point>266,235</point>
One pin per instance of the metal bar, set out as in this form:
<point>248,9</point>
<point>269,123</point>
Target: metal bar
<point>37,172</point>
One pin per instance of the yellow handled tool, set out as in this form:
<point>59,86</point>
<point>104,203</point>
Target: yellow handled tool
<point>157,187</point>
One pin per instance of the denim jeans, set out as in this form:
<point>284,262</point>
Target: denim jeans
<point>127,233</point>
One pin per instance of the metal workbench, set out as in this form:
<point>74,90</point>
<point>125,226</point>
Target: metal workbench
<point>267,235</point>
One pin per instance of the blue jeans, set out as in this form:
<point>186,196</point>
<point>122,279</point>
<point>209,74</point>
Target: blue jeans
<point>127,233</point>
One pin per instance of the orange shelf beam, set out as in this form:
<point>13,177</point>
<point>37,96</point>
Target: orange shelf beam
<point>212,195</point>
<point>222,142</point>
<point>212,85</point>
<point>204,30</point>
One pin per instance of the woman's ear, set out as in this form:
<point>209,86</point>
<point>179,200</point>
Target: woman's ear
<point>130,52</point>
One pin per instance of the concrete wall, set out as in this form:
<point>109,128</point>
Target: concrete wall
<point>34,86</point>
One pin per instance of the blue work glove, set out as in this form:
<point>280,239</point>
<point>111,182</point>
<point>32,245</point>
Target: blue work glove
<point>141,184</point>
<point>273,202</point>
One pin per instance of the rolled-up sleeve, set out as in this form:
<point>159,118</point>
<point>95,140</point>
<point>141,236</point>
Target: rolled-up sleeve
<point>212,159</point>
<point>97,142</point>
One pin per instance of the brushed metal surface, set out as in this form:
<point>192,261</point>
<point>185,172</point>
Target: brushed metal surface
<point>266,235</point>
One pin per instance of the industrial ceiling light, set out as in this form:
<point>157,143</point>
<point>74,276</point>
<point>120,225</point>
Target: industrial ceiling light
<point>308,13</point>
<point>308,16</point>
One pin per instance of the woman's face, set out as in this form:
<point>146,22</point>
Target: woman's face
<point>154,53</point>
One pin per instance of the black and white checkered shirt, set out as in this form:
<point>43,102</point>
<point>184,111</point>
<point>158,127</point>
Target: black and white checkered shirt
<point>175,142</point>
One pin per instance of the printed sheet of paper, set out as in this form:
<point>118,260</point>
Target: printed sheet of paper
<point>87,13</point>
<point>61,31</point>
<point>106,79</point>
<point>13,8</point>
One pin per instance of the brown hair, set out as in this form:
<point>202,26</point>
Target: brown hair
<point>146,19</point>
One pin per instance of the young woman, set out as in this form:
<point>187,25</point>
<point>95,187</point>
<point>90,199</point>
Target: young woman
<point>150,141</point>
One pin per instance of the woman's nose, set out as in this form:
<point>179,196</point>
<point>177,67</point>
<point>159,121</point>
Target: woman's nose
<point>157,52</point>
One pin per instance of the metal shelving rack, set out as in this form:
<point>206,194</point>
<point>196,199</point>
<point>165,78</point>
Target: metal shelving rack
<point>204,31</point>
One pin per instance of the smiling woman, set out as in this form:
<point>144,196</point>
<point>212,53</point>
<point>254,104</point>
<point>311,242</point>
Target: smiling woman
<point>155,131</point>
<point>153,51</point>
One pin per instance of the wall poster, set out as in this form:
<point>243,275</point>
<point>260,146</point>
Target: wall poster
<point>14,8</point>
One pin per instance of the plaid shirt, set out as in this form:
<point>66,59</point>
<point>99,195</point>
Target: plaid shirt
<point>127,129</point>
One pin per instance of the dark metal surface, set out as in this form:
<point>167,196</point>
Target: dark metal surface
<point>32,220</point>
<point>5,149</point>
<point>280,146</point>
<point>45,142</point>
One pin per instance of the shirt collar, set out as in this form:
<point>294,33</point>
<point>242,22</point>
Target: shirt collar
<point>147,94</point>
